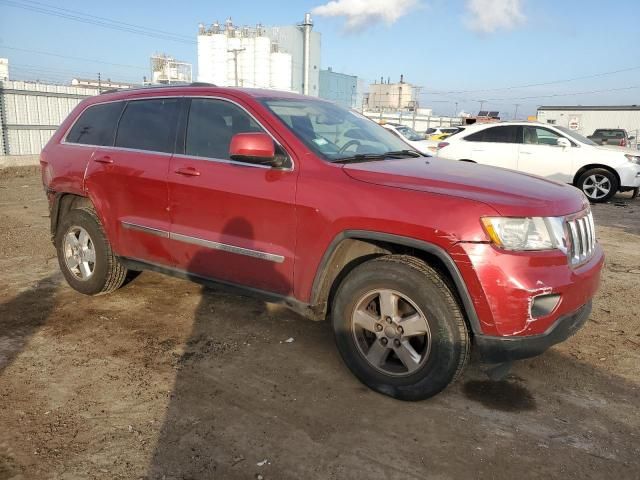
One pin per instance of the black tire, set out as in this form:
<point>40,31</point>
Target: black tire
<point>414,279</point>
<point>108,273</point>
<point>585,180</point>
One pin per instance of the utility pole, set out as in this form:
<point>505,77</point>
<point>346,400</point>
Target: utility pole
<point>456,110</point>
<point>235,52</point>
<point>99,83</point>
<point>515,115</point>
<point>482,102</point>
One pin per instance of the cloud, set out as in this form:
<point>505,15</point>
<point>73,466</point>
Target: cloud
<point>488,16</point>
<point>360,14</point>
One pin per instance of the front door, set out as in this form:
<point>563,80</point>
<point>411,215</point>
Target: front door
<point>539,154</point>
<point>230,221</point>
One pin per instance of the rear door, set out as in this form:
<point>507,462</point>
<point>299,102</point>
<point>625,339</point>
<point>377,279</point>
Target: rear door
<point>230,220</point>
<point>496,146</point>
<point>539,154</point>
<point>128,181</point>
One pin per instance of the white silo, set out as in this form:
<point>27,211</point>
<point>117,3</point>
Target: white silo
<point>234,49</point>
<point>262,61</point>
<point>218,59</point>
<point>205,59</point>
<point>281,71</point>
<point>246,62</point>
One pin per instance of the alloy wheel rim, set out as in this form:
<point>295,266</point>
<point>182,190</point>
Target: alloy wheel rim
<point>596,186</point>
<point>391,332</point>
<point>79,253</point>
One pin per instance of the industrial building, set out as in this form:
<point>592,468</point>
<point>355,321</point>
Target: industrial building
<point>345,90</point>
<point>99,84</point>
<point>167,70</point>
<point>586,119</point>
<point>4,69</point>
<point>281,58</point>
<point>391,96</point>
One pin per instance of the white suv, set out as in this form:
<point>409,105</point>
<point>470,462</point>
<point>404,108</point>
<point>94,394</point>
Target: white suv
<point>549,151</point>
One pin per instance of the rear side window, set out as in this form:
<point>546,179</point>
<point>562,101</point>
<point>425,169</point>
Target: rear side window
<point>502,134</point>
<point>149,125</point>
<point>96,125</point>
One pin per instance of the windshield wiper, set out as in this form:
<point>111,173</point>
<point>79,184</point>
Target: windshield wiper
<point>363,157</point>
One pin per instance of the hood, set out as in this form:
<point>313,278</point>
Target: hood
<point>619,149</point>
<point>510,193</point>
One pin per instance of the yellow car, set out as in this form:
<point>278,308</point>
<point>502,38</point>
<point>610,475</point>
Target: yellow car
<point>440,133</point>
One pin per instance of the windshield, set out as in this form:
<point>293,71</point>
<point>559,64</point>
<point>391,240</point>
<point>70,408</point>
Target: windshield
<point>333,132</point>
<point>409,133</point>
<point>576,136</point>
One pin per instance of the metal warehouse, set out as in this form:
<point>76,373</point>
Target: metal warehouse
<point>585,119</point>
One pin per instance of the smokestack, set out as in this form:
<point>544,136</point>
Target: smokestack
<point>307,25</point>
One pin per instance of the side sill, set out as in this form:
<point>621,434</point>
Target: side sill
<point>294,304</point>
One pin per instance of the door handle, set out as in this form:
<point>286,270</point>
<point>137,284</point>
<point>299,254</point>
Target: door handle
<point>105,159</point>
<point>188,171</point>
<point>525,153</point>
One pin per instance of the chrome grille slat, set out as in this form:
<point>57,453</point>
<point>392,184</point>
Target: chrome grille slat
<point>583,238</point>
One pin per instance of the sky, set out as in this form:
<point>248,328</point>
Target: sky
<point>460,52</point>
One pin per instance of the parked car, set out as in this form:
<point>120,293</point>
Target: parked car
<point>549,151</point>
<point>413,138</point>
<point>611,136</point>
<point>296,200</point>
<point>440,133</point>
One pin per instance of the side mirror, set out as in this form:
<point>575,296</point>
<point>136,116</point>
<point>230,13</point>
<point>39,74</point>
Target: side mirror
<point>632,138</point>
<point>255,148</point>
<point>563,142</point>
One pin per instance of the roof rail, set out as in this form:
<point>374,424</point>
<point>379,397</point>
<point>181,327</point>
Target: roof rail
<point>169,85</point>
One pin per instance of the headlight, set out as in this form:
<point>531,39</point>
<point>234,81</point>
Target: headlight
<point>532,233</point>
<point>633,158</point>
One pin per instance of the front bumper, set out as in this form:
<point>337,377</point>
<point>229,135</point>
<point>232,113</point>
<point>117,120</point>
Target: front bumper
<point>629,175</point>
<point>504,287</point>
<point>506,349</point>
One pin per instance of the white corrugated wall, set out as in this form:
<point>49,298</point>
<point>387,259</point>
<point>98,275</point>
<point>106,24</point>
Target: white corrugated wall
<point>31,112</point>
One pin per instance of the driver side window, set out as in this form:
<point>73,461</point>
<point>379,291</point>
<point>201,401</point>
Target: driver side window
<point>540,136</point>
<point>211,125</point>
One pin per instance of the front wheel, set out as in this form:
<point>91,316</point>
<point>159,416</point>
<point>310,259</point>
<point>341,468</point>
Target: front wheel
<point>399,328</point>
<point>598,184</point>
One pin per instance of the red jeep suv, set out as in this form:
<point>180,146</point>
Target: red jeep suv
<point>415,260</point>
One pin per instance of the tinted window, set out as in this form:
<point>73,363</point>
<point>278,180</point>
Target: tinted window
<point>502,134</point>
<point>96,125</point>
<point>211,125</point>
<point>148,125</point>
<point>540,136</point>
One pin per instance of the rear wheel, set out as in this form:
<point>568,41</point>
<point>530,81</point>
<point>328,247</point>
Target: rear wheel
<point>85,256</point>
<point>598,184</point>
<point>399,328</point>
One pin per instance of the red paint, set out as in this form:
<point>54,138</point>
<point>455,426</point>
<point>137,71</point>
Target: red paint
<point>252,145</point>
<point>296,213</point>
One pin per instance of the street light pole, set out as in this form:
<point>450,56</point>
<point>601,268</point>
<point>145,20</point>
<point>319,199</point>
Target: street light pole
<point>515,114</point>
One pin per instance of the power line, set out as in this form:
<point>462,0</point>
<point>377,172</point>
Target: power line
<point>50,54</point>
<point>98,21</point>
<point>541,84</point>
<point>566,94</point>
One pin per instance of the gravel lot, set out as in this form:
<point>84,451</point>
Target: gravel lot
<point>165,379</point>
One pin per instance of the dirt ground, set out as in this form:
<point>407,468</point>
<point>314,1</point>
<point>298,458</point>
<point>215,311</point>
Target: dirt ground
<point>166,380</point>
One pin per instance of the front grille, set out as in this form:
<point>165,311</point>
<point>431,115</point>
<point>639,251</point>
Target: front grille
<point>582,239</point>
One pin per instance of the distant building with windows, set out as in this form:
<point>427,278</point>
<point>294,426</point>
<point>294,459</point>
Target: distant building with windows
<point>585,119</point>
<point>99,84</point>
<point>345,90</point>
<point>391,96</point>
